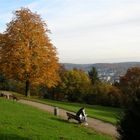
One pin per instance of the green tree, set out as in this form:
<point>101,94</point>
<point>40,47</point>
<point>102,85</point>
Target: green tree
<point>27,53</point>
<point>104,94</point>
<point>75,84</point>
<point>93,75</point>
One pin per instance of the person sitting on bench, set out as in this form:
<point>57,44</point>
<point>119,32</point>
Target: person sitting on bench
<point>81,114</point>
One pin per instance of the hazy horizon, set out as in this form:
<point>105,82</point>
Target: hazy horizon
<point>86,31</point>
<point>101,63</point>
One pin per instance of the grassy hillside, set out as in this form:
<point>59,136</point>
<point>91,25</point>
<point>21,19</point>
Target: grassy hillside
<point>22,122</point>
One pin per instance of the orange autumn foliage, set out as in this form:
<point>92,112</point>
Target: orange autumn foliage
<point>130,82</point>
<point>26,52</point>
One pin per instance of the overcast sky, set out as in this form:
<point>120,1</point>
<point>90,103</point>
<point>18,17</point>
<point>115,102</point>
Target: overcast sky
<point>86,31</point>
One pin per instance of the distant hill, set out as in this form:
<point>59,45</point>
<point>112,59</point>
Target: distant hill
<point>112,66</point>
<point>106,71</point>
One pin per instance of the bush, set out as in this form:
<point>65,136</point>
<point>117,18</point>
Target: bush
<point>129,125</point>
<point>104,94</point>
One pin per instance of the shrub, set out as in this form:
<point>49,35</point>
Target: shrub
<point>129,125</point>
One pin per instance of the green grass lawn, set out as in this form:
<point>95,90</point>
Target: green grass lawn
<point>107,114</point>
<point>22,122</point>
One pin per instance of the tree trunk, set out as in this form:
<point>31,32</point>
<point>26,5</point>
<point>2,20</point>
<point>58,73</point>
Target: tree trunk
<point>28,88</point>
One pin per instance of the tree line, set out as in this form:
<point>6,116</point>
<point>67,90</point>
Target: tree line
<point>29,64</point>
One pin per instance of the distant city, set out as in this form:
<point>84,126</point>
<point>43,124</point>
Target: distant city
<point>107,72</point>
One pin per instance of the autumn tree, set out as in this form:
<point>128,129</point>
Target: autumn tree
<point>27,53</point>
<point>57,92</point>
<point>130,83</point>
<point>74,83</point>
<point>104,94</point>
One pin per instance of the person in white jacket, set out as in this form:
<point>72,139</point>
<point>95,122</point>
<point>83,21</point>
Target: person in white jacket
<point>82,115</point>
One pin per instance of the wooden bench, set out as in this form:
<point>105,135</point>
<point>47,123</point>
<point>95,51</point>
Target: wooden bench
<point>6,95</point>
<point>14,97</point>
<point>72,116</point>
<point>9,96</point>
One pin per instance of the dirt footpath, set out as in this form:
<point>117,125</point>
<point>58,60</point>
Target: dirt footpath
<point>96,124</point>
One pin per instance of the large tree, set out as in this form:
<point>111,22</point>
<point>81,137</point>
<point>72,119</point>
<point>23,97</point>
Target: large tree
<point>130,83</point>
<point>27,53</point>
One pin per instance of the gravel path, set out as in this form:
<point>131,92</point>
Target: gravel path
<point>96,124</point>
